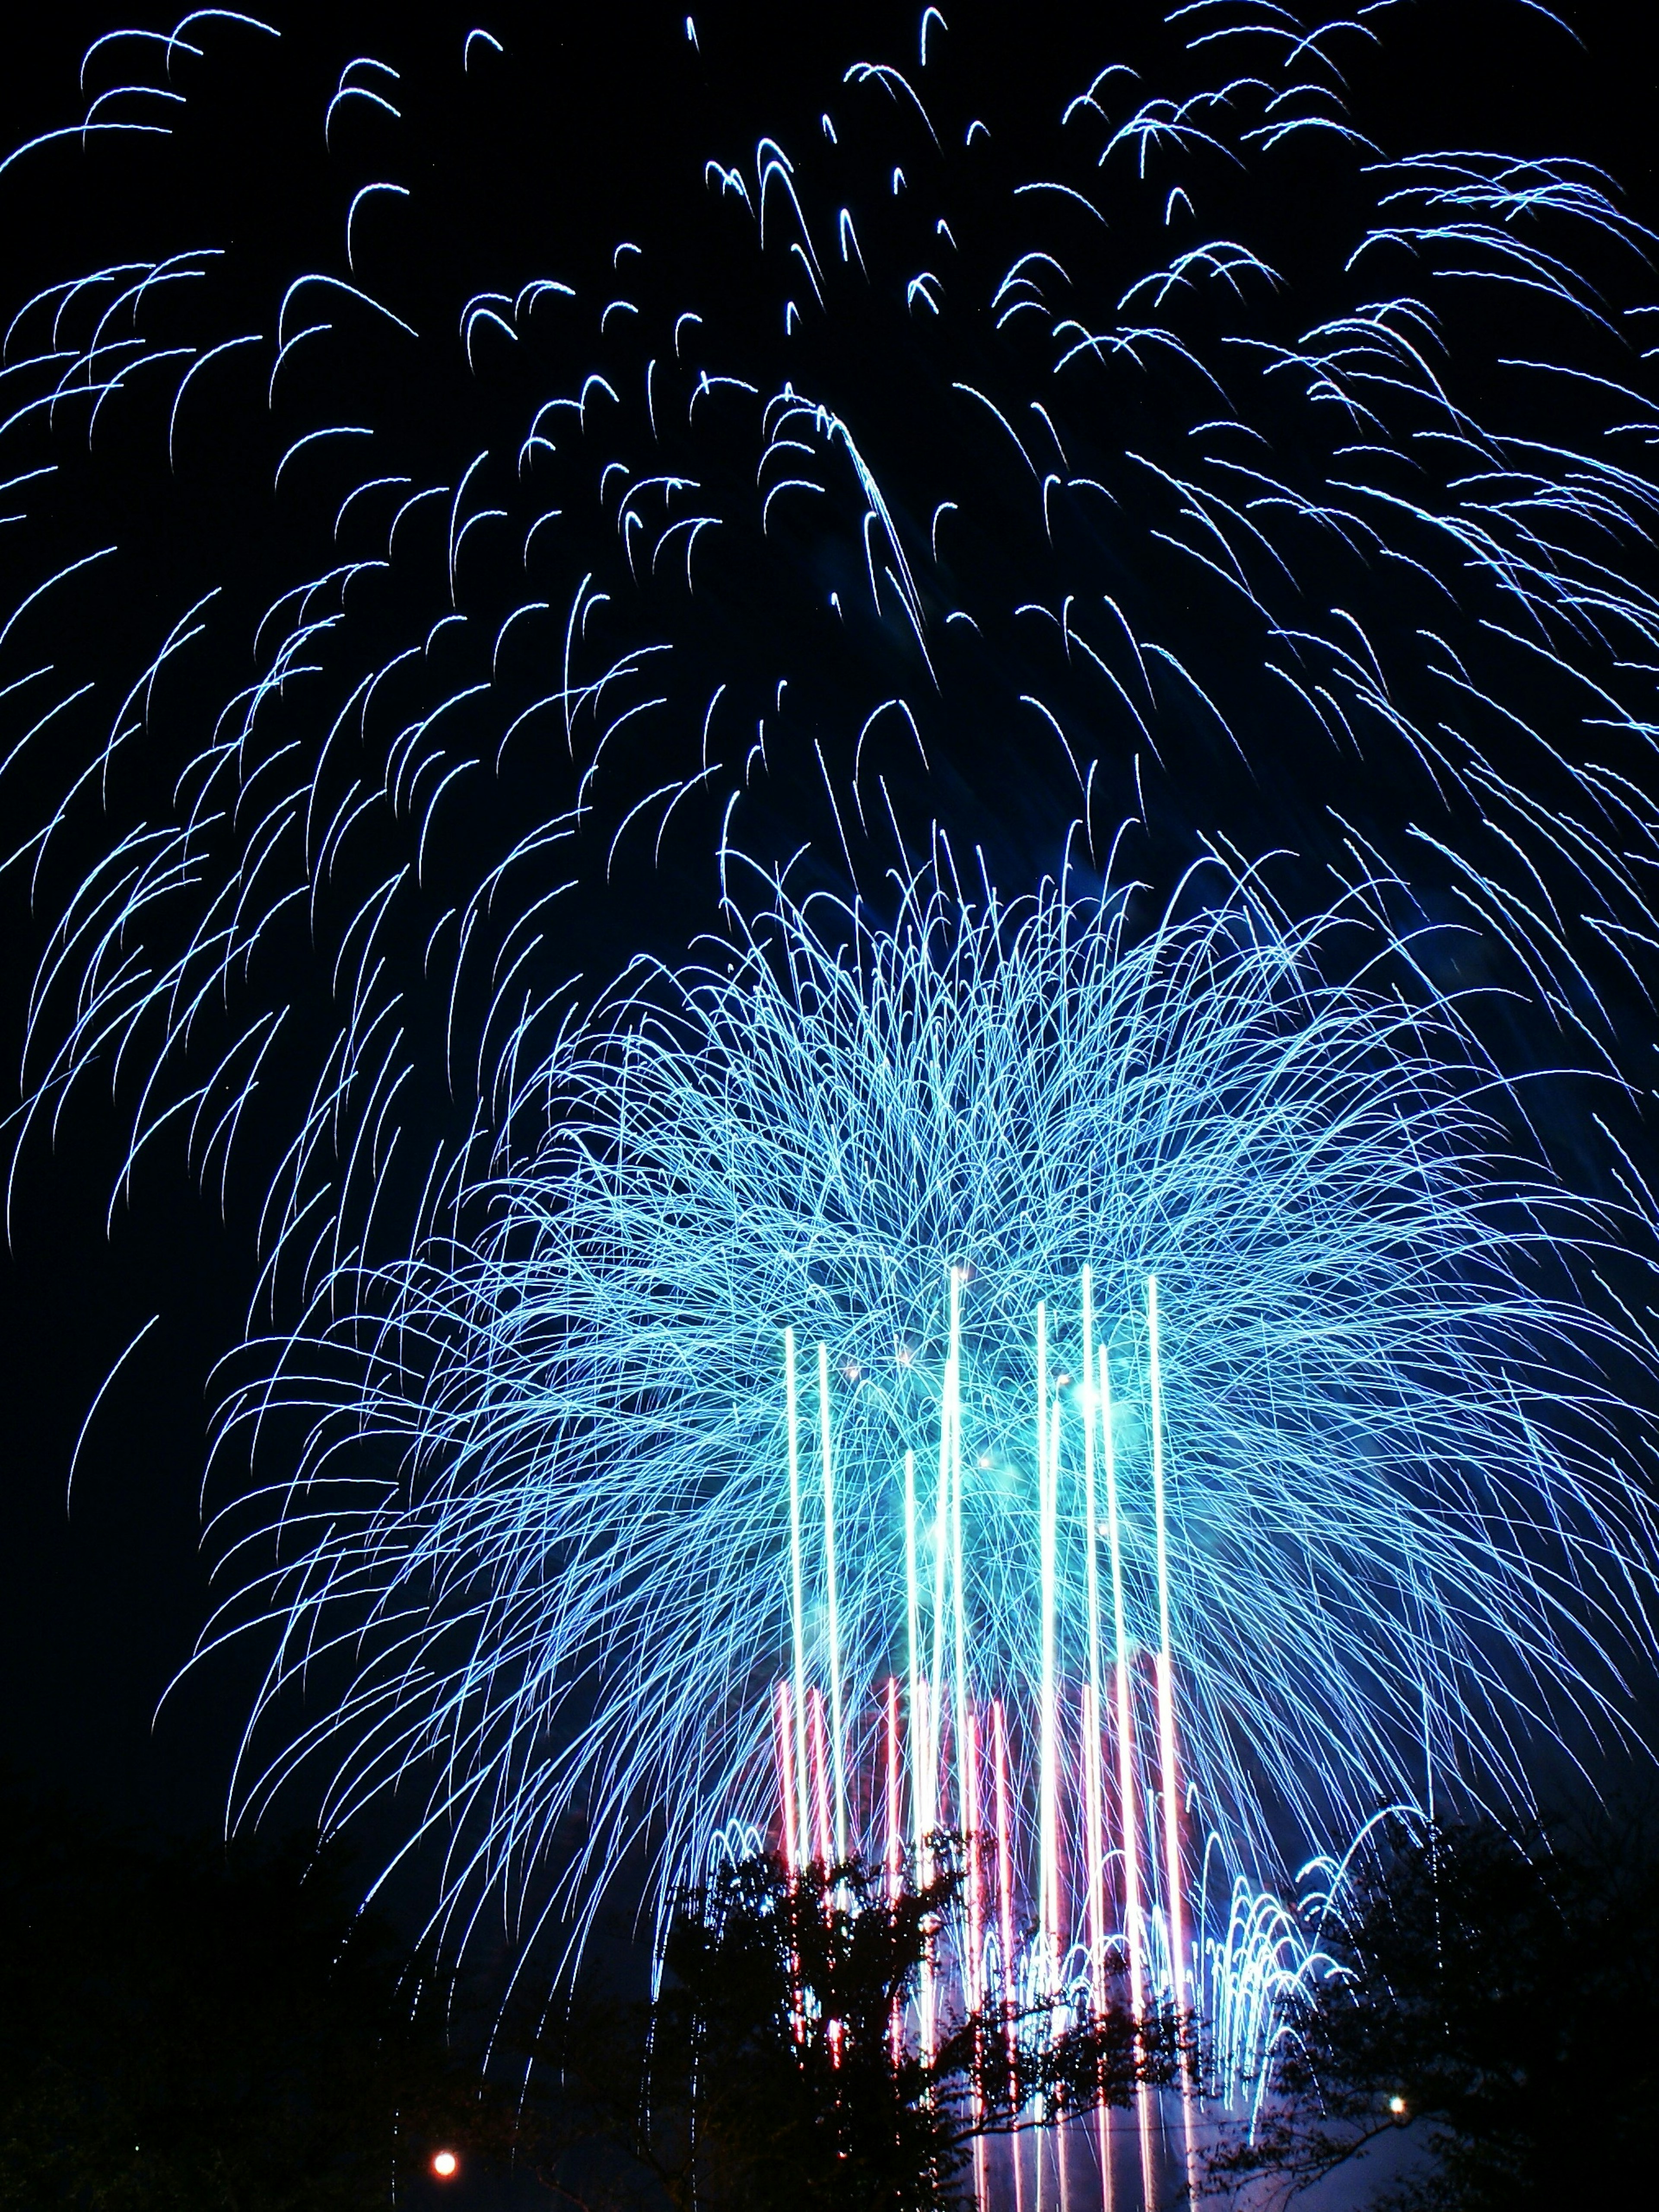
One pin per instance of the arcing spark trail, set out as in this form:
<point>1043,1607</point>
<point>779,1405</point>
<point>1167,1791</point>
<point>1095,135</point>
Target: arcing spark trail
<point>446,552</point>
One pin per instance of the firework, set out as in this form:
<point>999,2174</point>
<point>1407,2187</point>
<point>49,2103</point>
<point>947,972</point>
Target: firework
<point>803,1336</point>
<point>422,537</point>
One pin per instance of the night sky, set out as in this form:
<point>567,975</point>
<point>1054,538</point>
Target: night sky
<point>591,128</point>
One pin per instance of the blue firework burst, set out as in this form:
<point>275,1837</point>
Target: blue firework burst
<point>543,1523</point>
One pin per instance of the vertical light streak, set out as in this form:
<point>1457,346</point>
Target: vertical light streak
<point>1047,1743</point>
<point>1094,1822</point>
<point>1057,1911</point>
<point>1094,1810</point>
<point>942,1520</point>
<point>1170,1788</point>
<point>1128,1837</point>
<point>975,1869</point>
<point>797,1845</point>
<point>1005,1912</point>
<point>895,1850</point>
<point>1005,1863</point>
<point>1010,1995</point>
<point>922,1811</point>
<point>967,1778</point>
<point>1170,1776</point>
<point>1094,1718</point>
<point>837,1734</point>
<point>787,1779</point>
<point>923,1765</point>
<point>1137,1962</point>
<point>797,1592</point>
<point>966,1797</point>
<point>820,1778</point>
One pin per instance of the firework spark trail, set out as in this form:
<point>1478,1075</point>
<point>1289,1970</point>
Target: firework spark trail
<point>540,1544</point>
<point>945,460</point>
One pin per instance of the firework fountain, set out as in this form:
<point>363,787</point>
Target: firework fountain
<point>1116,1373</point>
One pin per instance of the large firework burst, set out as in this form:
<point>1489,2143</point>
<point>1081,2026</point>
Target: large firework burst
<point>540,1541</point>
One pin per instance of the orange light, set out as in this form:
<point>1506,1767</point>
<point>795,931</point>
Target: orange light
<point>445,2164</point>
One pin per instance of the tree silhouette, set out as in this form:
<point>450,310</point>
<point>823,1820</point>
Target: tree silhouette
<point>780,2069</point>
<point>1495,1995</point>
